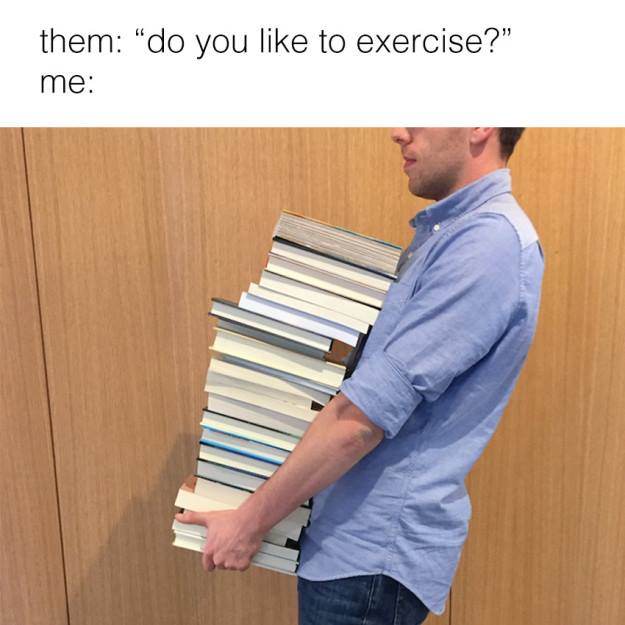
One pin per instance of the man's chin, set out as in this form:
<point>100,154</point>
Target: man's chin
<point>420,190</point>
<point>414,187</point>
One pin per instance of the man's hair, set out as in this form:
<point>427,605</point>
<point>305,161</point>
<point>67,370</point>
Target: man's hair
<point>508,138</point>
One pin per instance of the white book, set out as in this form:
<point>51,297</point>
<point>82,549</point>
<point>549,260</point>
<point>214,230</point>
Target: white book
<point>267,337</point>
<point>228,475</point>
<point>226,385</point>
<point>270,403</point>
<point>284,375</point>
<point>233,477</point>
<point>235,460</point>
<point>324,280</point>
<point>251,432</point>
<point>299,318</point>
<point>264,560</point>
<point>257,415</point>
<point>309,308</point>
<point>229,310</point>
<point>314,295</point>
<point>275,538</point>
<point>244,347</point>
<point>288,553</point>
<point>290,526</point>
<point>236,496</point>
<point>240,445</point>
<point>275,387</point>
<point>272,563</point>
<point>199,532</point>
<point>337,267</point>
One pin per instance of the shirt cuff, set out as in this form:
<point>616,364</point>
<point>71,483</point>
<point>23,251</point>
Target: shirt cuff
<point>382,392</point>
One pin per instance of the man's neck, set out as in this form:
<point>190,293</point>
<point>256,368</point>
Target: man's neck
<point>474,173</point>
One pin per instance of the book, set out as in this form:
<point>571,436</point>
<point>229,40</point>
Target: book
<point>187,499</point>
<point>272,339</point>
<point>315,295</point>
<point>266,546</point>
<point>339,243</point>
<point>243,446</point>
<point>253,350</point>
<point>324,280</point>
<point>266,384</point>
<point>234,460</point>
<point>331,265</point>
<point>299,318</point>
<point>264,401</point>
<point>249,431</point>
<point>225,385</point>
<point>199,532</point>
<point>222,309</point>
<point>235,497</point>
<point>270,538</point>
<point>283,375</point>
<point>316,310</point>
<point>257,415</point>
<point>228,475</point>
<point>262,559</point>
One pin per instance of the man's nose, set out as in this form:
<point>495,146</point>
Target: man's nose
<point>400,136</point>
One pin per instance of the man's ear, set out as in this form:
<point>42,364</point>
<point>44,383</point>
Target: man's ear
<point>479,136</point>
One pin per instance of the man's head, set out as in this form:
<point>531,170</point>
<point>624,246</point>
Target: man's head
<point>439,161</point>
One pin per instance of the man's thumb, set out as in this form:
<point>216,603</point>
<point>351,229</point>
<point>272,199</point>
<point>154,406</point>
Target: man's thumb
<point>190,517</point>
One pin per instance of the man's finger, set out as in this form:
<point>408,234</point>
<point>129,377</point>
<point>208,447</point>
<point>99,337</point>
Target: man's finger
<point>207,561</point>
<point>189,516</point>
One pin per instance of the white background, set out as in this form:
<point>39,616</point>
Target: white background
<point>561,66</point>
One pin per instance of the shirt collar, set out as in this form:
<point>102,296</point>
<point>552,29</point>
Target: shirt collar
<point>462,200</point>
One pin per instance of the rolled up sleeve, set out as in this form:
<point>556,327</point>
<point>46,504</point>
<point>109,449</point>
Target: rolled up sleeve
<point>463,301</point>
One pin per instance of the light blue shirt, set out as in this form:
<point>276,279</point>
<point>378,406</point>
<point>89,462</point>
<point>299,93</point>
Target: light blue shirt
<point>436,373</point>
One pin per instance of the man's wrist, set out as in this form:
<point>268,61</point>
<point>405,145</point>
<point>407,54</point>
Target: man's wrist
<point>252,518</point>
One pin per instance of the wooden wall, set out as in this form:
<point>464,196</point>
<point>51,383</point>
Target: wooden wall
<point>547,539</point>
<point>106,278</point>
<point>32,588</point>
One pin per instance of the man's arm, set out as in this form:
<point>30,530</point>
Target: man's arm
<point>336,440</point>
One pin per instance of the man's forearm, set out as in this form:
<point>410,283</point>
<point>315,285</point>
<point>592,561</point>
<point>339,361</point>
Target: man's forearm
<point>337,439</point>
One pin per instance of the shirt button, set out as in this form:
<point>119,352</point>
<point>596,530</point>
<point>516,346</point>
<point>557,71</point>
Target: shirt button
<point>436,227</point>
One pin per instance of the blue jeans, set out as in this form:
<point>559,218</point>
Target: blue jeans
<point>359,600</point>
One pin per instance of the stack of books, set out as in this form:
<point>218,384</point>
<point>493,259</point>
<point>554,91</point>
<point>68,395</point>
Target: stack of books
<point>274,366</point>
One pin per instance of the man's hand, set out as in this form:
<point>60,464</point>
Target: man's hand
<point>338,438</point>
<point>232,538</point>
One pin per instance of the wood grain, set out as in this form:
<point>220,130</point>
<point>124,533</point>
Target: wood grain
<point>547,537</point>
<point>32,588</point>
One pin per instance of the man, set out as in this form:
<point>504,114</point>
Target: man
<point>386,459</point>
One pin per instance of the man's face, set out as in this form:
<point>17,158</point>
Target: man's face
<point>434,159</point>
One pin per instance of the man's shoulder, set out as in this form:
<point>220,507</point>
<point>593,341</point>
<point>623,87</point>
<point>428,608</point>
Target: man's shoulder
<point>500,222</point>
<point>506,207</point>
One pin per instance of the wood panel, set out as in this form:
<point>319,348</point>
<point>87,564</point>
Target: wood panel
<point>547,537</point>
<point>31,571</point>
<point>136,230</point>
